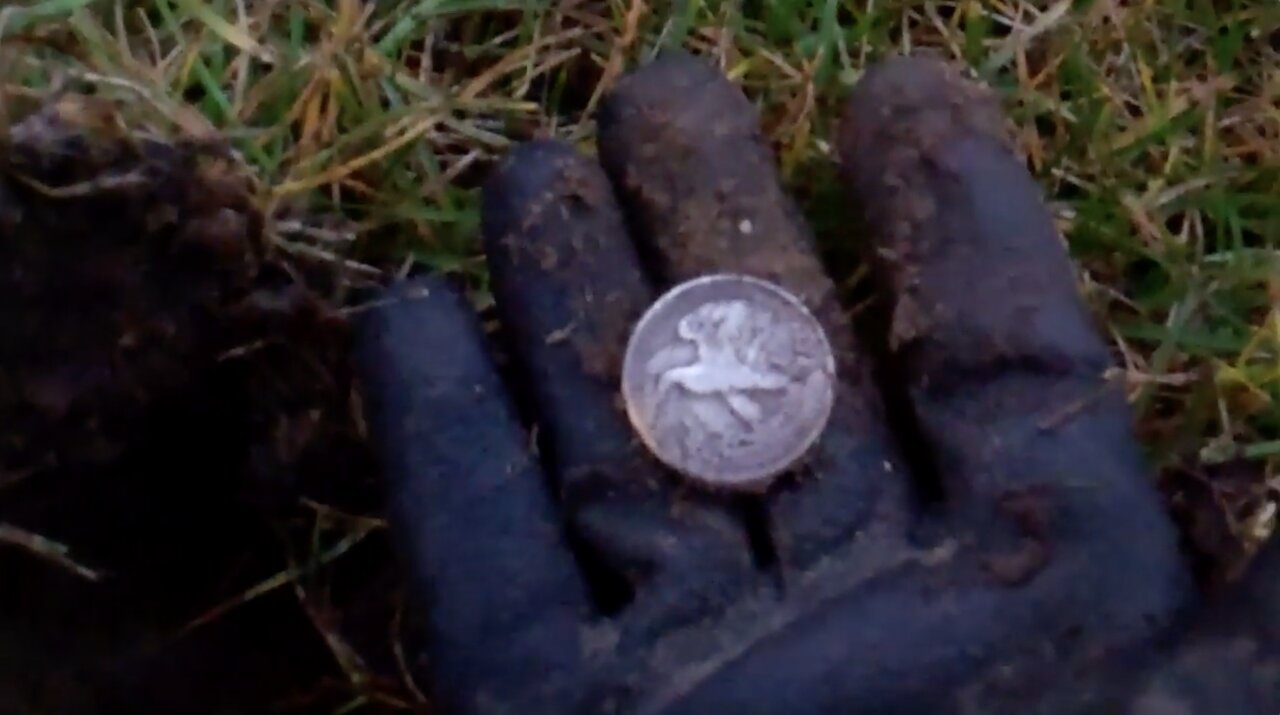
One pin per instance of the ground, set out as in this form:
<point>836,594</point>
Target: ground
<point>362,131</point>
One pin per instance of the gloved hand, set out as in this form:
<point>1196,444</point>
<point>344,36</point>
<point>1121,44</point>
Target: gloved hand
<point>993,543</point>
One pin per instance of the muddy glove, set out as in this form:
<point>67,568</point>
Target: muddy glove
<point>996,546</point>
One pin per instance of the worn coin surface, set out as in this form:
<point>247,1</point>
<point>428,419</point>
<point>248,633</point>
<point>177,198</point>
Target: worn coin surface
<point>728,379</point>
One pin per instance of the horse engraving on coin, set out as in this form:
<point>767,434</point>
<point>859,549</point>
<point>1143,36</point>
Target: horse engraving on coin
<point>728,379</point>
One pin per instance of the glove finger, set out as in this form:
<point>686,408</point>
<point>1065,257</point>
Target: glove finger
<point>1003,366</point>
<point>683,148</point>
<point>481,538</point>
<point>568,288</point>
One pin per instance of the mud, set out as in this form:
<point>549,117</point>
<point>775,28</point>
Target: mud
<point>1213,505</point>
<point>569,287</point>
<point>683,148</point>
<point>165,382</point>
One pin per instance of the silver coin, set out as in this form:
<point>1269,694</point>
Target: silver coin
<point>729,380</point>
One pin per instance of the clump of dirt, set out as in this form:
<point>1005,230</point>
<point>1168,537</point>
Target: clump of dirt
<point>118,253</point>
<point>165,379</point>
<point>1222,510</point>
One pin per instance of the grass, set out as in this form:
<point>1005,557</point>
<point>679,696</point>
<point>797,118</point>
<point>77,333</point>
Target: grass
<point>1153,126</point>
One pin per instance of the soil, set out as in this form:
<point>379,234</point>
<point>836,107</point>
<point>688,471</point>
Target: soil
<point>166,381</point>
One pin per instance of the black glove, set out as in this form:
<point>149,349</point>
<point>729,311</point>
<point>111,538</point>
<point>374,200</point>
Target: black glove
<point>993,545</point>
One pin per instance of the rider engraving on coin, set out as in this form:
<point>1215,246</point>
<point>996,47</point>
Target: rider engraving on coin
<point>729,380</point>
